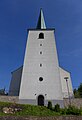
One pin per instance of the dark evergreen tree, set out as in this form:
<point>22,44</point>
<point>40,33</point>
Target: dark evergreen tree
<point>80,90</point>
<point>76,93</point>
<point>50,105</point>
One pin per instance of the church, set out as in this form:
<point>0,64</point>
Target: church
<point>41,79</point>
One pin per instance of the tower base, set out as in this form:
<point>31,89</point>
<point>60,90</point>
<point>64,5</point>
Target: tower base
<point>35,102</point>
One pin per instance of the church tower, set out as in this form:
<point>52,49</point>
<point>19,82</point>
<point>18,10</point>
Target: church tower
<point>41,80</point>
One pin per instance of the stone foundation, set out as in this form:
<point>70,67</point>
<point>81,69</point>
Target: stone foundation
<point>9,98</point>
<point>74,101</point>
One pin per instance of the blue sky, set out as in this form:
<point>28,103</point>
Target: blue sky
<point>16,16</point>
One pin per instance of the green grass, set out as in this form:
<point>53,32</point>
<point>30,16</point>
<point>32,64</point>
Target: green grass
<point>28,110</point>
<point>33,110</point>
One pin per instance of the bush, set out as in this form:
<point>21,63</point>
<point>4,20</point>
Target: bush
<point>57,108</point>
<point>50,105</point>
<point>73,110</point>
<point>63,111</point>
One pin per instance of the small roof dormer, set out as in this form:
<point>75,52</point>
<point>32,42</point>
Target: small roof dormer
<point>41,21</point>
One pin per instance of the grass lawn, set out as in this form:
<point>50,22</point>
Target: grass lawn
<point>27,110</point>
<point>33,110</point>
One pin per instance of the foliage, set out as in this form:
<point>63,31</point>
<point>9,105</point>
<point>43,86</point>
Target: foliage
<point>63,111</point>
<point>57,108</point>
<point>50,105</point>
<point>78,92</point>
<point>2,91</point>
<point>73,110</point>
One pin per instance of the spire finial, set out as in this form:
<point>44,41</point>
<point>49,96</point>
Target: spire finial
<point>41,22</point>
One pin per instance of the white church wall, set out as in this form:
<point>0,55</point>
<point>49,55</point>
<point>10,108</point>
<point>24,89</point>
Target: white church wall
<point>31,87</point>
<point>15,82</point>
<point>16,79</point>
<point>63,74</point>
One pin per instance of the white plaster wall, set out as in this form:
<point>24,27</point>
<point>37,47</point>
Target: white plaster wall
<point>15,82</point>
<point>51,84</point>
<point>64,74</point>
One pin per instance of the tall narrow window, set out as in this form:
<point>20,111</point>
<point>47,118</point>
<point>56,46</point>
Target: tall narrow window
<point>41,36</point>
<point>40,52</point>
<point>40,44</point>
<point>40,65</point>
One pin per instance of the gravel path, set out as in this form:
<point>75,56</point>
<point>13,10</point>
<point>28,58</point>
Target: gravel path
<point>42,118</point>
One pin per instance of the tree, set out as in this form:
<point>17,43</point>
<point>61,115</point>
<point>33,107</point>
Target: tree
<point>50,105</point>
<point>2,91</point>
<point>57,108</point>
<point>76,93</point>
<point>80,90</point>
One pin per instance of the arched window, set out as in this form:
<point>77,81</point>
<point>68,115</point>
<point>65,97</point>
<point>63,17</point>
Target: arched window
<point>41,36</point>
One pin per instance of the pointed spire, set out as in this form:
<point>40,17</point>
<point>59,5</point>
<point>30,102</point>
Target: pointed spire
<point>41,22</point>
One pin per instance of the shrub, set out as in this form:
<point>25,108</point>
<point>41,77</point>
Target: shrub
<point>57,108</point>
<point>63,111</point>
<point>73,110</point>
<point>50,105</point>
